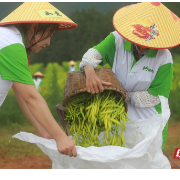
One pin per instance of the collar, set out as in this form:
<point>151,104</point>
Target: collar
<point>150,53</point>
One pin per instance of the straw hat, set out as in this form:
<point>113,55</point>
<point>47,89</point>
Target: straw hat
<point>39,74</point>
<point>38,12</point>
<point>149,25</point>
<point>72,63</point>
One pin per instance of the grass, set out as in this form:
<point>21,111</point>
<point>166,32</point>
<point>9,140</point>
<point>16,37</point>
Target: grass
<point>17,148</point>
<point>173,138</point>
<point>14,147</point>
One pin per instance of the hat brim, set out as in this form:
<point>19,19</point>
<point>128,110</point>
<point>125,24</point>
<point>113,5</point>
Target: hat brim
<point>73,25</point>
<point>129,15</point>
<point>72,64</point>
<point>38,76</point>
<point>39,12</point>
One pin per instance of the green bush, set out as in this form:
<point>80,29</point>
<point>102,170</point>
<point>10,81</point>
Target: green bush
<point>10,112</point>
<point>175,88</point>
<point>36,67</point>
<point>52,91</point>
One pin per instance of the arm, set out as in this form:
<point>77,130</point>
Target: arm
<point>29,115</point>
<point>91,57</point>
<point>101,54</point>
<point>160,86</point>
<point>14,67</point>
<point>40,111</point>
<point>143,99</point>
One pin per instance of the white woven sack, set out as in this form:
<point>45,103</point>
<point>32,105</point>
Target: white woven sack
<point>142,149</point>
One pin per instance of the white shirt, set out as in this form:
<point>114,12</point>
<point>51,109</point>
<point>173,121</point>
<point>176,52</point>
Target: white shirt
<point>138,78</point>
<point>5,86</point>
<point>72,68</point>
<point>37,82</point>
<point>135,78</point>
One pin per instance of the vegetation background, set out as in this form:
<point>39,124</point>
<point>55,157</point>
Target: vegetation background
<point>94,24</point>
<point>94,21</point>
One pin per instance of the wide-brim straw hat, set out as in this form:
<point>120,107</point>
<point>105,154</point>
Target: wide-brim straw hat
<point>39,74</point>
<point>150,25</point>
<point>72,63</point>
<point>39,12</point>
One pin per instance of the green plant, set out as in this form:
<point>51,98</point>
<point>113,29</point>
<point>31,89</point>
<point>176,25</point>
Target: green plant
<point>91,114</point>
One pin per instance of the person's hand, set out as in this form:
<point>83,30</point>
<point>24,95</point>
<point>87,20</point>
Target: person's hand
<point>66,146</point>
<point>93,82</point>
<point>42,119</point>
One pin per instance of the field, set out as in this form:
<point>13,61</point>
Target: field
<point>17,154</point>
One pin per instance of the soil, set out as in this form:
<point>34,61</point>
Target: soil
<point>38,162</point>
<point>44,162</point>
<point>174,166</point>
<point>27,162</point>
<point>173,133</point>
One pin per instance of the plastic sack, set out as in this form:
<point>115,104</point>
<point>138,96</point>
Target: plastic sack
<point>142,149</point>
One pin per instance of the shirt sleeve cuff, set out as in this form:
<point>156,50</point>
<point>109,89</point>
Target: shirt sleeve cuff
<point>84,64</point>
<point>132,99</point>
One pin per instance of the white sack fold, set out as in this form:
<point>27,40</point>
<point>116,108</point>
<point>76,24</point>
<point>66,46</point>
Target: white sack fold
<point>142,149</point>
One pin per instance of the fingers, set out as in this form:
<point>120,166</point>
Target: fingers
<point>91,88</point>
<point>96,86</point>
<point>69,152</point>
<point>67,149</point>
<point>74,152</point>
<point>88,87</point>
<point>66,152</point>
<point>106,83</point>
<point>100,86</point>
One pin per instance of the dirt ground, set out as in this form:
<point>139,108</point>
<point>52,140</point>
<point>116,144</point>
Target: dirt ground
<point>173,142</point>
<point>174,166</point>
<point>44,162</point>
<point>27,162</point>
<point>37,162</point>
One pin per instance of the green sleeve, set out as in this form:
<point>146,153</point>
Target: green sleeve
<point>76,68</point>
<point>14,64</point>
<point>42,83</point>
<point>107,49</point>
<point>161,84</point>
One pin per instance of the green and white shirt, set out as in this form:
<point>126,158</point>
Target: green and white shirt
<point>13,59</point>
<point>152,73</point>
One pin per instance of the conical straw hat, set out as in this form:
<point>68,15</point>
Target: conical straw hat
<point>149,25</point>
<point>38,74</point>
<point>72,63</point>
<point>38,12</point>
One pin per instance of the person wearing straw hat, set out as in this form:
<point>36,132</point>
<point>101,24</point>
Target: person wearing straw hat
<point>30,28</point>
<point>72,65</point>
<point>37,78</point>
<point>137,52</point>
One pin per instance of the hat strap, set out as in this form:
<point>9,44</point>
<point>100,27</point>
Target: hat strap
<point>34,36</point>
<point>29,49</point>
<point>139,54</point>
